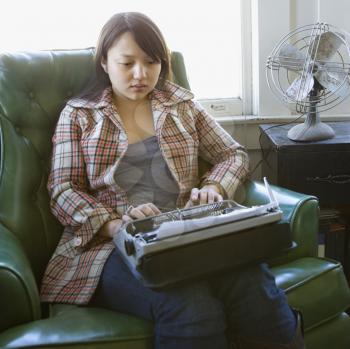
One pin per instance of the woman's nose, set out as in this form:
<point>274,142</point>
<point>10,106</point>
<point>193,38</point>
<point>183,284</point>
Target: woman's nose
<point>140,71</point>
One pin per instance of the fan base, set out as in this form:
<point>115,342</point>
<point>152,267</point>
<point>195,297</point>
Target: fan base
<point>307,132</point>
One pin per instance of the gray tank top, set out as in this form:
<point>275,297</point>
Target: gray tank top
<point>145,176</point>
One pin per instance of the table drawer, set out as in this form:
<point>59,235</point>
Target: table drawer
<point>326,175</point>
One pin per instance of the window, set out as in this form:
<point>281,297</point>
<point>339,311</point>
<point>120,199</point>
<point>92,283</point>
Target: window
<point>207,33</point>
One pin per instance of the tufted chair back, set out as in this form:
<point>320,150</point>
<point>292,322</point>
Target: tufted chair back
<point>33,90</point>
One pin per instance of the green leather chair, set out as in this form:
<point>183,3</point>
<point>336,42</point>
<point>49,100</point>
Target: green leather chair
<point>33,89</point>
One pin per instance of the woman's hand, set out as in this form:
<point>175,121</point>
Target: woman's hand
<point>141,211</point>
<point>110,228</point>
<point>205,195</point>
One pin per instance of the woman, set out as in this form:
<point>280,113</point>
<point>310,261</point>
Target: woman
<point>128,148</point>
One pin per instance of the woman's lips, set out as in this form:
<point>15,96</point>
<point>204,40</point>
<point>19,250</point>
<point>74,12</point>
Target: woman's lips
<point>139,87</point>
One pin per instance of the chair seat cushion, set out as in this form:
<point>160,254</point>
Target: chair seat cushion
<point>317,286</point>
<point>80,327</point>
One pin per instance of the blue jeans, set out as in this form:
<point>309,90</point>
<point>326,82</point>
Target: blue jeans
<point>203,314</point>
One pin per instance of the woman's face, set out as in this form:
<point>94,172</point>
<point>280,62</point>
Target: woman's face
<point>132,72</point>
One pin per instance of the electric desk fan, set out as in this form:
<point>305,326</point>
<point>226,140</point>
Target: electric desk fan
<point>308,70</point>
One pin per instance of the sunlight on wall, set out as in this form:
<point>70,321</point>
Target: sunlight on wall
<point>207,33</point>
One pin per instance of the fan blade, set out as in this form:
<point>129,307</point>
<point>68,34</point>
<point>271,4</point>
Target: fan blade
<point>336,82</point>
<point>300,88</point>
<point>325,46</point>
<point>291,58</point>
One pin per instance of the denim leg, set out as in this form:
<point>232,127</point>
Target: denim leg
<point>256,308</point>
<point>186,317</point>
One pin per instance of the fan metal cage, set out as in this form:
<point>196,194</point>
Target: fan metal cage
<point>310,67</point>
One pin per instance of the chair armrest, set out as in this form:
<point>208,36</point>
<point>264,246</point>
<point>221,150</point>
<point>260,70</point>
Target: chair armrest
<point>19,297</point>
<point>302,211</point>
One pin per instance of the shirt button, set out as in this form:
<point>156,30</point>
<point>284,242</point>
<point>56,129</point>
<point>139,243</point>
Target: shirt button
<point>77,241</point>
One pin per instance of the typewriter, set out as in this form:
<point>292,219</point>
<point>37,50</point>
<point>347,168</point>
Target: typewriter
<point>190,243</point>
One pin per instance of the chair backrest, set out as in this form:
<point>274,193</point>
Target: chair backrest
<point>33,89</point>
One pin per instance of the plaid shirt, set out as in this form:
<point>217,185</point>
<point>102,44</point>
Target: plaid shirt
<point>88,145</point>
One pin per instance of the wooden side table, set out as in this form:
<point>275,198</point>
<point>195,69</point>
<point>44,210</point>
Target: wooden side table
<point>319,168</point>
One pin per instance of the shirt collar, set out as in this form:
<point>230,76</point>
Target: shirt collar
<point>105,100</point>
<point>169,95</point>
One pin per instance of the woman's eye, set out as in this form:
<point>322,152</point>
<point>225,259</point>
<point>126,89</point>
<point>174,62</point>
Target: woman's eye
<point>153,61</point>
<point>125,63</point>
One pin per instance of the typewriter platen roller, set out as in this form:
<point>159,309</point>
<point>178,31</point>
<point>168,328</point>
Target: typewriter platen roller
<point>189,243</point>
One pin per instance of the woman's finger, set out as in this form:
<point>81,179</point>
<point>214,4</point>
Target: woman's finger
<point>219,198</point>
<point>213,196</point>
<point>149,209</point>
<point>126,218</point>
<point>189,204</point>
<point>210,196</point>
<point>203,197</point>
<point>137,213</point>
<point>154,208</point>
<point>194,195</point>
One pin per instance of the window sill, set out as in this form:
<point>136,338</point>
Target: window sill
<point>230,120</point>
